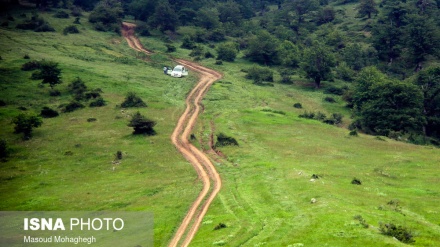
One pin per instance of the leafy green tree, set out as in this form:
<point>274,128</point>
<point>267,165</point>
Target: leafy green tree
<point>263,48</point>
<point>132,100</point>
<point>107,15</point>
<point>423,39</point>
<point>366,8</point>
<point>25,124</point>
<point>429,82</point>
<point>303,7</point>
<point>227,51</point>
<point>317,63</point>
<point>289,54</point>
<point>50,73</point>
<point>383,105</point>
<point>142,125</point>
<point>207,18</point>
<point>229,12</point>
<point>164,17</point>
<point>142,9</point>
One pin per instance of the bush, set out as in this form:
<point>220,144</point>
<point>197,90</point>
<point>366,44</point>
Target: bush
<point>329,99</point>
<point>297,105</point>
<point>260,74</point>
<point>70,29</point>
<point>78,88</point>
<point>356,181</point>
<point>92,119</point>
<point>353,133</point>
<point>26,56</point>
<point>220,226</point>
<point>73,106</point>
<point>132,100</point>
<point>119,155</point>
<point>98,103</point>
<point>44,28</point>
<point>170,48</point>
<point>399,232</point>
<point>197,51</point>
<point>227,51</point>
<point>334,90</point>
<point>142,125</point>
<point>25,124</point>
<point>47,112</point>
<point>61,14</point>
<point>219,62</point>
<point>2,102</point>
<point>361,220</point>
<point>209,55</point>
<point>187,43</point>
<point>224,140</point>
<point>31,65</point>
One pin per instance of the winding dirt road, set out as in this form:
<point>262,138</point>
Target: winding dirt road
<point>202,164</point>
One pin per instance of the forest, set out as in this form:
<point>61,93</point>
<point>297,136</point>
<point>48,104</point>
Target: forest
<point>390,56</point>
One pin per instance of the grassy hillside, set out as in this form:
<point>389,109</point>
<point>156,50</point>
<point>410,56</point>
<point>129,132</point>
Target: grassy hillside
<point>67,165</point>
<point>267,188</point>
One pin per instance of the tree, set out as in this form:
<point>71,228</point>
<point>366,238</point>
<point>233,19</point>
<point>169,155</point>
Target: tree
<point>207,18</point>
<point>229,12</point>
<point>142,9</point>
<point>50,73</point>
<point>302,8</point>
<point>289,54</point>
<point>317,63</point>
<point>4,150</point>
<point>164,17</point>
<point>25,123</point>
<point>263,48</point>
<point>429,83</point>
<point>132,100</point>
<point>366,8</point>
<point>107,15</point>
<point>227,51</point>
<point>383,105</point>
<point>142,125</point>
<point>422,39</point>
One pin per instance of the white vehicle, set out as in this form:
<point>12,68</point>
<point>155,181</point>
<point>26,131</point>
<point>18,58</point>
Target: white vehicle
<point>179,71</point>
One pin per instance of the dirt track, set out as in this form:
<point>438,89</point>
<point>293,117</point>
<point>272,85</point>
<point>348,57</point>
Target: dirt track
<point>202,164</point>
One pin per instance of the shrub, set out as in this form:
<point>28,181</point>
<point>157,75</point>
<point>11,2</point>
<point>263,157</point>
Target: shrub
<point>44,28</point>
<point>401,233</point>
<point>209,55</point>
<point>197,51</point>
<point>334,90</point>
<point>142,125</point>
<point>356,181</point>
<point>98,102</point>
<point>187,43</point>
<point>25,124</point>
<point>5,24</point>
<point>220,226</point>
<point>227,51</point>
<point>297,105</point>
<point>61,14</point>
<point>219,62</point>
<point>353,133</point>
<point>76,21</point>
<point>26,56</point>
<point>329,99</point>
<point>2,102</point>
<point>132,100</point>
<point>31,65</point>
<point>73,106</point>
<point>170,48</point>
<point>224,140</point>
<point>70,29</point>
<point>47,112</point>
<point>78,88</point>
<point>94,94</point>
<point>260,74</point>
<point>92,119</point>
<point>76,11</point>
<point>361,220</point>
<point>119,155</point>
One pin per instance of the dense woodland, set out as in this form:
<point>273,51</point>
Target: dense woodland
<point>390,56</point>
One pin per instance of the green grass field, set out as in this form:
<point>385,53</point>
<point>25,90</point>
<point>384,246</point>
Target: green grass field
<point>267,192</point>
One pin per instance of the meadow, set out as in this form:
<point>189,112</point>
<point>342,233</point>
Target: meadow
<point>267,187</point>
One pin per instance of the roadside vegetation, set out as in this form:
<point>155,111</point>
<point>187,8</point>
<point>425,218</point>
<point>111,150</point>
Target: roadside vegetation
<point>343,89</point>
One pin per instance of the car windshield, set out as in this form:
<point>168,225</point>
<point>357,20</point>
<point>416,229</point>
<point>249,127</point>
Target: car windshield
<point>177,69</point>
